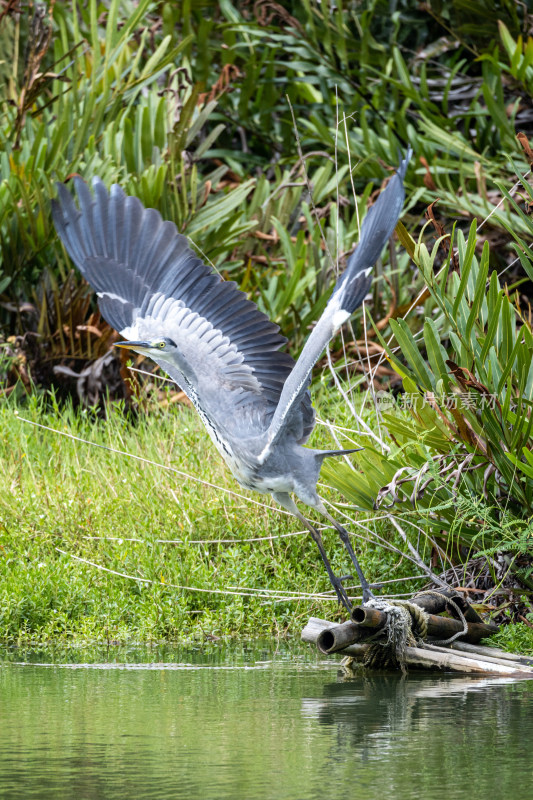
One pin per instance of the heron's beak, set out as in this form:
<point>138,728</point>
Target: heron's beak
<point>133,345</point>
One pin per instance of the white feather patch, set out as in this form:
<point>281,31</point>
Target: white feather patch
<point>339,318</point>
<point>131,333</point>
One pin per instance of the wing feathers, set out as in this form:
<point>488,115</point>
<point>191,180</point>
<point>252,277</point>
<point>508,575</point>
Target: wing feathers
<point>376,229</point>
<point>133,211</point>
<point>150,284</point>
<point>101,219</point>
<point>350,291</point>
<point>86,209</point>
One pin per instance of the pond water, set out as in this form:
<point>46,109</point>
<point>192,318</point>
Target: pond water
<point>253,723</point>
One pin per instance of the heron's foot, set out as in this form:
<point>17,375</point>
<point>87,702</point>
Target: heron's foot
<point>345,539</point>
<point>340,591</point>
<point>365,586</point>
<point>368,594</point>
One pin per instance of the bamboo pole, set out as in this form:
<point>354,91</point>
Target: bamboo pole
<point>488,658</point>
<point>450,659</point>
<point>368,621</point>
<point>317,628</point>
<point>438,627</point>
<point>436,603</point>
<point>336,638</point>
<point>493,651</point>
<point>330,640</point>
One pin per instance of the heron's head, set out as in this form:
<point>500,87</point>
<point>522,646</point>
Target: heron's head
<point>154,348</point>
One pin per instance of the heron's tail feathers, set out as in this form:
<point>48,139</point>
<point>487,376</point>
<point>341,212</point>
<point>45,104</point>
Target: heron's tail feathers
<point>322,454</point>
<point>376,229</point>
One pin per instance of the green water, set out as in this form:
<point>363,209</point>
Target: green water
<point>253,723</point>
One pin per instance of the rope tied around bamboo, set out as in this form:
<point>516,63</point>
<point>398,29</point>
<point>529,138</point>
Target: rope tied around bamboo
<point>389,628</point>
<point>453,604</point>
<point>406,626</point>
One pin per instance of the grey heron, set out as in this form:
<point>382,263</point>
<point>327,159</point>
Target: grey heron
<point>220,349</point>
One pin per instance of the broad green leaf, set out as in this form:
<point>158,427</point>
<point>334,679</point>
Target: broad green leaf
<point>436,353</point>
<point>216,212</point>
<point>410,351</point>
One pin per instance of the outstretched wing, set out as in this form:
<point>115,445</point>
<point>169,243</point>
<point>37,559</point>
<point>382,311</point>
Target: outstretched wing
<point>150,285</point>
<point>348,294</point>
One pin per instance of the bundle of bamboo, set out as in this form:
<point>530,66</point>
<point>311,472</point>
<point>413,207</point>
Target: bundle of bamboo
<point>461,657</point>
<point>428,642</point>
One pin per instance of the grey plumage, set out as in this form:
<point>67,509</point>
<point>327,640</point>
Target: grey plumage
<point>214,342</point>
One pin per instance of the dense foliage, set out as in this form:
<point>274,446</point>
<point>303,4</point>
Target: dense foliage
<point>251,125</point>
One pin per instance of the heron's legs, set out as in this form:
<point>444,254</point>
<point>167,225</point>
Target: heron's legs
<point>345,537</point>
<point>285,500</point>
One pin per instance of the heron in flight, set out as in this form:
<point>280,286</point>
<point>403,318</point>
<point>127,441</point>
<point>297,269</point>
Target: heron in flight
<point>215,343</point>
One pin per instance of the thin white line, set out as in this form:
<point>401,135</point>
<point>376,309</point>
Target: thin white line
<point>195,588</point>
<point>202,541</point>
<point>496,207</point>
<point>506,268</point>
<point>152,375</point>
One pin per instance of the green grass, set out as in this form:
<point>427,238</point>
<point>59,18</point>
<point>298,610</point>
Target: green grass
<point>56,493</point>
<point>516,638</point>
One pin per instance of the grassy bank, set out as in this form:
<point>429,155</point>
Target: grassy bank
<point>62,500</point>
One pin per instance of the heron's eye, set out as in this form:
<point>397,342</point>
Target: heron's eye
<point>161,345</point>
